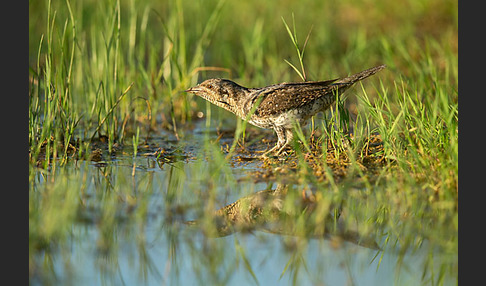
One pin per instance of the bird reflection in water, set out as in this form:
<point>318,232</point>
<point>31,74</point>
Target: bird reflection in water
<point>285,211</point>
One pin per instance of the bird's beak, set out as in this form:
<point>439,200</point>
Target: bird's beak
<point>193,89</point>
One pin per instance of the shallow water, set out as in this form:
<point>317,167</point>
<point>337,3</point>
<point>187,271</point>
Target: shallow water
<point>268,255</point>
<point>130,228</point>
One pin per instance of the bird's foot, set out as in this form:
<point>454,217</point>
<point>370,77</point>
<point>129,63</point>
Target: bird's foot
<point>269,153</point>
<point>275,151</point>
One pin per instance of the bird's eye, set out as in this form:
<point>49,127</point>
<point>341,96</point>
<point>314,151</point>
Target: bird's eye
<point>210,86</point>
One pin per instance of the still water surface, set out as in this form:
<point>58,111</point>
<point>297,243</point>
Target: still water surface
<point>148,241</point>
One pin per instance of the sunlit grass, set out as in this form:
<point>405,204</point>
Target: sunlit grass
<point>108,75</point>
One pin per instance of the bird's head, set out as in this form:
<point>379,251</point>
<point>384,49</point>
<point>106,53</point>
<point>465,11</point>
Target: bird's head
<point>221,92</point>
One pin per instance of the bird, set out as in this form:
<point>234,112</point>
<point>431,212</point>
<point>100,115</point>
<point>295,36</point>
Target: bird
<point>278,106</point>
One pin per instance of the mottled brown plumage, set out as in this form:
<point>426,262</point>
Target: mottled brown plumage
<point>277,106</point>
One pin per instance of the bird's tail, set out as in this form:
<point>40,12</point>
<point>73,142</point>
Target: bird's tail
<point>361,75</point>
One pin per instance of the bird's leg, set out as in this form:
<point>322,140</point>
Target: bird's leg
<point>289,136</point>
<point>280,142</point>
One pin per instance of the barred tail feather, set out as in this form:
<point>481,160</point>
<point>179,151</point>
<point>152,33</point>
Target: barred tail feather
<point>361,75</point>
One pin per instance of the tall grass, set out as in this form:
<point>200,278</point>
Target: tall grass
<point>93,67</point>
<point>159,49</point>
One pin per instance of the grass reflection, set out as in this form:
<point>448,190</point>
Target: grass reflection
<point>168,220</point>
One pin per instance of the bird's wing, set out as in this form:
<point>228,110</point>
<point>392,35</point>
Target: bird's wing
<point>285,96</point>
<point>279,98</point>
